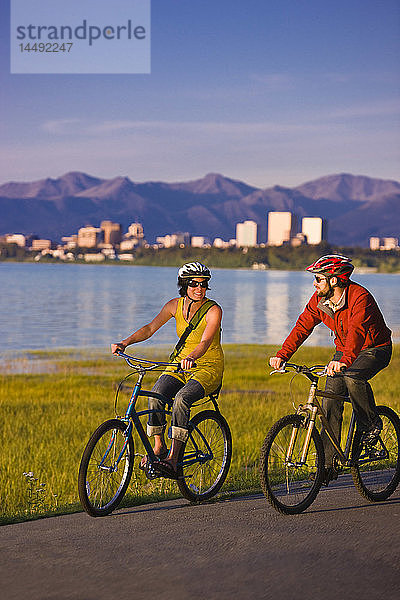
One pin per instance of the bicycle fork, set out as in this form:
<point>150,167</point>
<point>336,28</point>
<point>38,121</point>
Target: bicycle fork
<point>113,466</point>
<point>312,411</point>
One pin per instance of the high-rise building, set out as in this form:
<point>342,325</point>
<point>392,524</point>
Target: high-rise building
<point>135,230</point>
<point>386,243</point>
<point>16,238</point>
<point>281,227</point>
<point>246,234</point>
<point>112,232</point>
<point>89,237</point>
<point>41,244</point>
<point>174,239</point>
<point>390,243</point>
<point>199,241</point>
<point>134,238</point>
<point>314,228</point>
<point>70,241</point>
<point>374,243</point>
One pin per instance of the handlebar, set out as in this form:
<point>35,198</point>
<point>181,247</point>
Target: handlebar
<point>302,369</point>
<point>310,372</point>
<point>136,362</point>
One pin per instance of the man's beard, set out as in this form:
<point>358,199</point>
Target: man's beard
<point>328,294</point>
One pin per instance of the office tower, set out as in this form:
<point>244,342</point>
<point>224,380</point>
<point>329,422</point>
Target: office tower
<point>281,227</point>
<point>314,228</point>
<point>246,234</point>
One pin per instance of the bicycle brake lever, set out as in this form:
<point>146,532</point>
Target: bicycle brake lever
<point>278,371</point>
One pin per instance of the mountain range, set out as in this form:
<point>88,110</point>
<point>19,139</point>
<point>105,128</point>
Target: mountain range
<point>355,206</point>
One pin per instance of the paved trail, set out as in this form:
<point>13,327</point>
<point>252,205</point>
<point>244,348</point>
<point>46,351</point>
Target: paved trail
<point>341,548</point>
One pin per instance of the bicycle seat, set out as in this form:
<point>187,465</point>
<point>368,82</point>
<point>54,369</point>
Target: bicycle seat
<point>214,395</point>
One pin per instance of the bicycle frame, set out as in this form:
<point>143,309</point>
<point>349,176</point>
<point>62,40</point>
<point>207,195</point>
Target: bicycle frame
<point>132,417</point>
<point>313,409</point>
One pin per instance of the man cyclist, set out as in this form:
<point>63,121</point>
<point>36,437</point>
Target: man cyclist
<point>363,347</point>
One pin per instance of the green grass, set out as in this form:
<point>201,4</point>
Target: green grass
<point>47,418</point>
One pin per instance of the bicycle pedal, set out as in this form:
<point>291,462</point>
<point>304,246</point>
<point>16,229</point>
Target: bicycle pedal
<point>150,472</point>
<point>375,453</point>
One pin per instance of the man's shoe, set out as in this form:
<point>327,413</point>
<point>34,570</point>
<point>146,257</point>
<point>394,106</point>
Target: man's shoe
<point>329,475</point>
<point>371,437</point>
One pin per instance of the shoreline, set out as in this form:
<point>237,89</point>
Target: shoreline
<point>48,361</point>
<point>255,267</point>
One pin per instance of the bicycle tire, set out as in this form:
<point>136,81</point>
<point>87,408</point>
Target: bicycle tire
<point>377,477</point>
<point>203,467</point>
<point>290,489</point>
<point>100,488</point>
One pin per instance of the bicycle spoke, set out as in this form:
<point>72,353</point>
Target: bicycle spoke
<point>102,482</point>
<point>290,486</point>
<point>376,472</point>
<point>209,437</point>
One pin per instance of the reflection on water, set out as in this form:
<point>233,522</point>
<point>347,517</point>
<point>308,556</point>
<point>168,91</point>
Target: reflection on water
<point>55,306</point>
<point>276,309</point>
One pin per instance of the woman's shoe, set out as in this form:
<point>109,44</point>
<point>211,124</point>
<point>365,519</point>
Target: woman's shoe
<point>144,463</point>
<point>165,469</point>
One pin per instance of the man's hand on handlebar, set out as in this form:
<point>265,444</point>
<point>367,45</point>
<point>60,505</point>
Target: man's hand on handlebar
<point>119,347</point>
<point>276,362</point>
<point>335,367</point>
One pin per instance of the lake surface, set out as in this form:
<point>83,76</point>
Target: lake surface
<point>45,306</point>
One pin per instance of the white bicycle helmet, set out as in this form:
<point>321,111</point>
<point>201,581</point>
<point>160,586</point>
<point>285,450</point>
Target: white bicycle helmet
<point>194,269</point>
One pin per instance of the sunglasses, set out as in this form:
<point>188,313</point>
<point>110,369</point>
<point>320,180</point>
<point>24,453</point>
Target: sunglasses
<point>319,279</point>
<point>203,284</point>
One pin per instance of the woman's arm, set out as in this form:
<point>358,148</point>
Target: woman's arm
<point>213,323</point>
<point>145,332</point>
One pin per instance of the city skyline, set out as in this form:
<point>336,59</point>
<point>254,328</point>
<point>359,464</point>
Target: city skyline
<point>357,207</point>
<point>268,93</point>
<point>283,227</point>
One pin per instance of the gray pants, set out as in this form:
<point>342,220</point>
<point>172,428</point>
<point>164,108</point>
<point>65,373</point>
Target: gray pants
<point>354,382</point>
<point>185,396</point>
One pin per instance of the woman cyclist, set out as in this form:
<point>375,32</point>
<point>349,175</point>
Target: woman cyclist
<point>201,355</point>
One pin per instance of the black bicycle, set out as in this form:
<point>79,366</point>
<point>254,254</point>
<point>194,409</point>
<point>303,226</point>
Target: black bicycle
<point>292,457</point>
<point>108,460</point>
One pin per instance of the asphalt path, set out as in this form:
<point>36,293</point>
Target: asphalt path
<point>341,548</point>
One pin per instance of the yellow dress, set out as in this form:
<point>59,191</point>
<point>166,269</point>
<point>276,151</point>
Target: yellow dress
<point>209,367</point>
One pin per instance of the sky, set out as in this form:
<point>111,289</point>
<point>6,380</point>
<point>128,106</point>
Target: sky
<point>269,93</point>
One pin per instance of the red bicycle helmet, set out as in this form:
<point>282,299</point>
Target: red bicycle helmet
<point>333,265</point>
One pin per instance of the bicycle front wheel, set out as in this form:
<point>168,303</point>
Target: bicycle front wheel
<point>106,468</point>
<point>205,457</point>
<point>376,470</point>
<point>289,483</point>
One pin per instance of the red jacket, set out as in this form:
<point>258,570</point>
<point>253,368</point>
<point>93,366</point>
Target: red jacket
<point>357,326</point>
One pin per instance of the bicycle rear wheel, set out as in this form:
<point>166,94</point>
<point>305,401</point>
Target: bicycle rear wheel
<point>104,474</point>
<point>376,470</point>
<point>205,457</point>
<point>289,485</point>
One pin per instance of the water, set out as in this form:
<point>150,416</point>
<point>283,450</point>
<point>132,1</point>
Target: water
<point>44,306</point>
